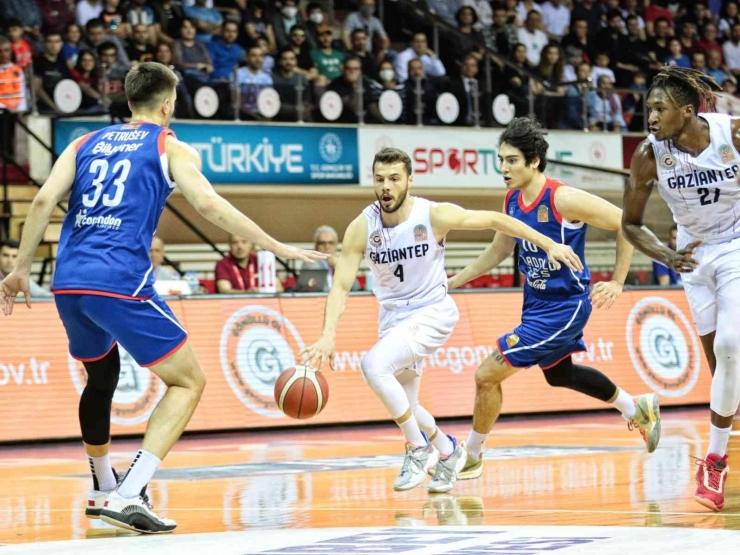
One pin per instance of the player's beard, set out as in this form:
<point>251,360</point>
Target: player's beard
<point>396,205</point>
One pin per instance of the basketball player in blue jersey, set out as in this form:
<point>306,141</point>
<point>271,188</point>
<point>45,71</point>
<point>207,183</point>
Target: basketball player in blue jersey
<point>557,303</point>
<point>118,180</point>
<point>694,160</point>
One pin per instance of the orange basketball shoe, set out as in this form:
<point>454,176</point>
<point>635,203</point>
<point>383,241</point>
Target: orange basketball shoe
<point>710,481</point>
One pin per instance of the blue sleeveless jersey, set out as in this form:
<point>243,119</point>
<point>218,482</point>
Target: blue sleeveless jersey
<point>543,280</point>
<point>121,186</point>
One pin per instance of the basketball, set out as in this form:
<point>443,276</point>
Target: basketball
<point>301,392</point>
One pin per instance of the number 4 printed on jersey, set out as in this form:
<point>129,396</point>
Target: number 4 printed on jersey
<point>120,172</point>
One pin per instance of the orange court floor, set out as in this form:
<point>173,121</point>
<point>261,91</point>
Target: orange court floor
<point>561,484</point>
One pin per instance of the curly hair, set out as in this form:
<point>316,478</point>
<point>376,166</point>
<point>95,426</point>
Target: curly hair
<point>687,86</point>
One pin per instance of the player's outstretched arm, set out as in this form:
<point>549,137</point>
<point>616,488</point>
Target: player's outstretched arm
<point>353,249</point>
<point>579,206</point>
<point>56,187</point>
<point>447,216</point>
<point>643,174</point>
<point>185,166</point>
<point>494,254</point>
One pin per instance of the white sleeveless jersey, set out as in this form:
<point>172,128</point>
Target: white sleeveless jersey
<point>407,263</point>
<point>703,191</point>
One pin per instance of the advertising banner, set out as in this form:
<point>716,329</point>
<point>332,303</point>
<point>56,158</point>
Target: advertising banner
<point>468,157</point>
<point>645,342</point>
<point>234,153</point>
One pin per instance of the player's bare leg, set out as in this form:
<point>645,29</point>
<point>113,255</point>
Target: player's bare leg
<point>488,403</point>
<point>125,507</point>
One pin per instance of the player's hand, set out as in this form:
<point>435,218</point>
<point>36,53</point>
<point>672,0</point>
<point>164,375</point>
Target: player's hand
<point>323,350</point>
<point>683,260</point>
<point>558,253</point>
<point>605,293</point>
<point>16,282</point>
<point>294,253</point>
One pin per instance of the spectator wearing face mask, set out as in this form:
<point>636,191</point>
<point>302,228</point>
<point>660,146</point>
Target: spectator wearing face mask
<point>315,19</point>
<point>387,81</point>
<point>364,19</point>
<point>283,21</point>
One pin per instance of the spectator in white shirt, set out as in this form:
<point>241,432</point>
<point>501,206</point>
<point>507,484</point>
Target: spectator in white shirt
<point>556,17</point>
<point>419,49</point>
<point>532,38</point>
<point>601,68</point>
<point>731,50</point>
<point>87,10</point>
<point>484,11</point>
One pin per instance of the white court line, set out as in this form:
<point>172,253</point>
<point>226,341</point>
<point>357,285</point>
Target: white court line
<point>405,508</point>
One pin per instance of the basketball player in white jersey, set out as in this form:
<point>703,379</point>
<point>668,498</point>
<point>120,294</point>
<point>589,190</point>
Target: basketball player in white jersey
<point>402,238</point>
<point>695,158</point>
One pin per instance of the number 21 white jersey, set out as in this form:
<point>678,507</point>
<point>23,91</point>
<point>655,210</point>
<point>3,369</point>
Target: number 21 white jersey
<point>406,261</point>
<point>703,191</point>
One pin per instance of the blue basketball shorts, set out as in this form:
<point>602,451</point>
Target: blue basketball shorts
<point>550,331</point>
<point>147,329</point>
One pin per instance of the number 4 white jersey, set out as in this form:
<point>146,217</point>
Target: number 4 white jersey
<point>703,191</point>
<point>407,263</point>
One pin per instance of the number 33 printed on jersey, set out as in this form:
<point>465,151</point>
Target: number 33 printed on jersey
<point>120,172</point>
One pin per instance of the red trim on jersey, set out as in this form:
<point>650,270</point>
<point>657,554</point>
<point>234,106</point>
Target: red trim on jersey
<point>556,363</point>
<point>83,140</point>
<point>507,198</point>
<point>554,186</point>
<point>94,359</point>
<point>160,359</point>
<point>535,202</point>
<point>97,293</point>
<point>162,136</point>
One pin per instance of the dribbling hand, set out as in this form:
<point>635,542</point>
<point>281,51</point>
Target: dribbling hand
<point>315,355</point>
<point>10,287</point>
<point>683,261</point>
<point>563,253</point>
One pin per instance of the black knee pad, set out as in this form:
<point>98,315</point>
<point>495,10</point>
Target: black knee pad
<point>561,374</point>
<point>97,397</point>
<point>583,379</point>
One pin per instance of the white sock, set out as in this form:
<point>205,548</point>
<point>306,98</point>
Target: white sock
<point>443,443</point>
<point>718,439</point>
<point>102,472</point>
<point>475,444</point>
<point>142,469</point>
<point>412,433</point>
<point>625,404</point>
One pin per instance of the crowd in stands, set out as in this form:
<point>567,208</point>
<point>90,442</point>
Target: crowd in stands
<point>570,55</point>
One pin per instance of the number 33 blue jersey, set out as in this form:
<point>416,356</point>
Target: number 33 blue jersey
<point>120,189</point>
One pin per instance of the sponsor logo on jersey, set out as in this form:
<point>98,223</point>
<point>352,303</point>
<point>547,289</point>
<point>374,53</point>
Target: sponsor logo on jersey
<point>257,345</point>
<point>420,233</point>
<point>109,222</point>
<point>726,154</point>
<point>663,347</point>
<point>512,340</point>
<point>668,161</point>
<point>375,239</point>
<point>137,393</point>
<point>543,214</point>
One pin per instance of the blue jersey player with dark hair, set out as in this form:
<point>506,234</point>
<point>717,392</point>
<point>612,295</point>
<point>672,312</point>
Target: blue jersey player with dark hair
<point>557,302</point>
<point>118,180</point>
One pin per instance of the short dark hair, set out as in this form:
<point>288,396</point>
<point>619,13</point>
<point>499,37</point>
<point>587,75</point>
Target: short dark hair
<point>14,23</point>
<point>313,6</point>
<point>254,47</point>
<point>9,243</point>
<point>358,30</point>
<point>228,22</point>
<point>107,45</point>
<point>148,82</point>
<point>285,50</point>
<point>53,34</point>
<point>527,135</point>
<point>663,20</point>
<point>461,9</point>
<point>393,156</point>
<point>93,23</point>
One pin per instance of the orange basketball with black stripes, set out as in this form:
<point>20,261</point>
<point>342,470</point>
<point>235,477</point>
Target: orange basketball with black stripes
<point>301,392</point>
